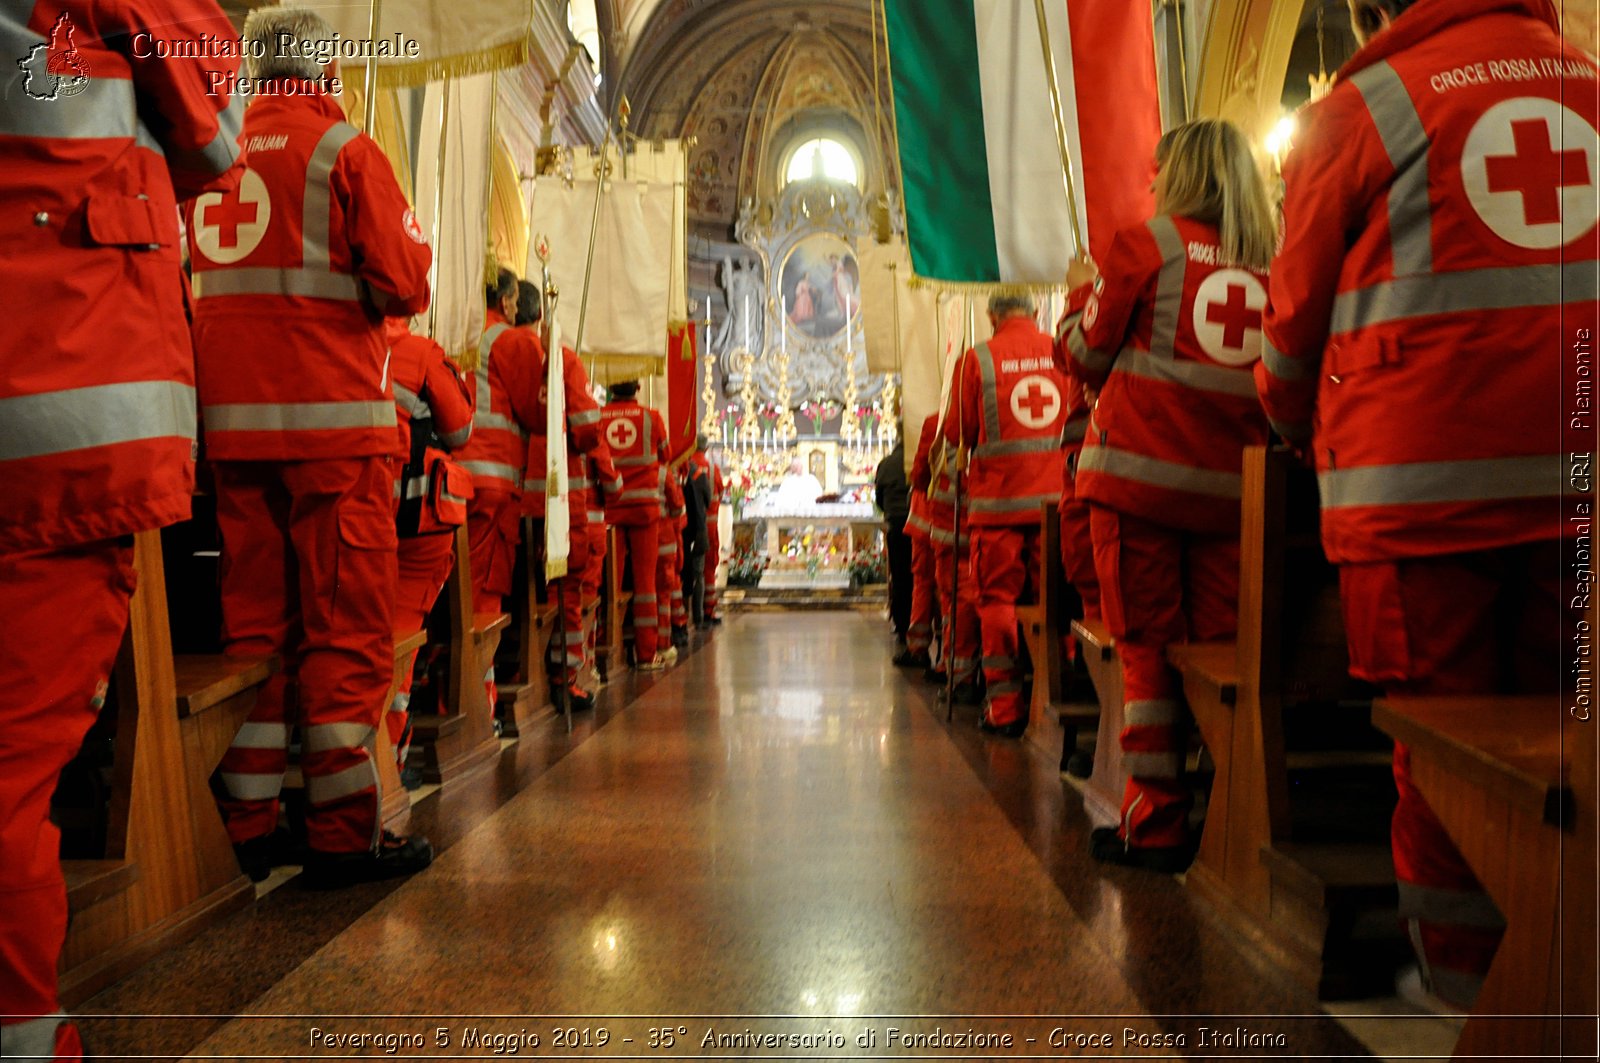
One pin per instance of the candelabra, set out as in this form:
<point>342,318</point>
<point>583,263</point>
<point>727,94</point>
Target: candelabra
<point>891,410</point>
<point>747,395</point>
<point>849,422</point>
<point>786,428</point>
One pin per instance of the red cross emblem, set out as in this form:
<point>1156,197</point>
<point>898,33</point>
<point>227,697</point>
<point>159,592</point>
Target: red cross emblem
<point>1529,168</point>
<point>229,225</point>
<point>1035,402</point>
<point>621,434</point>
<point>1227,316</point>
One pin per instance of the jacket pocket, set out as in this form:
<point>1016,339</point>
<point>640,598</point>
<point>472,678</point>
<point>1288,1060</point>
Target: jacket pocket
<point>1363,353</point>
<point>127,221</point>
<point>366,527</point>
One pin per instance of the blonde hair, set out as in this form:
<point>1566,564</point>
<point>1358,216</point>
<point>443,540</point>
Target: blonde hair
<point>1208,173</point>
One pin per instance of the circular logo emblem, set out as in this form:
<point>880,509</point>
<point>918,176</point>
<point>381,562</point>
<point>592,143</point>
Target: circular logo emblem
<point>1227,316</point>
<point>229,225</point>
<point>621,434</point>
<point>1529,167</point>
<point>1036,402</point>
<point>408,222</point>
<point>1091,311</point>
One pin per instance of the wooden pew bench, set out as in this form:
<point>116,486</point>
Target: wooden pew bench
<point>524,703</point>
<point>611,653</point>
<point>1053,722</point>
<point>1500,774</point>
<point>461,737</point>
<point>1102,792</point>
<point>168,870</point>
<point>1301,888</point>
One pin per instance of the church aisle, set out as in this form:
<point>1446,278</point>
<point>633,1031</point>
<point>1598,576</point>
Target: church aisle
<point>778,826</point>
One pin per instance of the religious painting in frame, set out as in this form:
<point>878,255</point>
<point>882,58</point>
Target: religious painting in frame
<point>821,282</point>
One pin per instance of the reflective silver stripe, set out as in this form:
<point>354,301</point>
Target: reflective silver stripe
<point>635,463</point>
<point>456,499</point>
<point>645,621</point>
<point>401,702</point>
<point>1157,713</point>
<point>1151,765</point>
<point>614,487</point>
<point>575,638</point>
<point>652,494</point>
<point>1283,367</point>
<point>1463,291</point>
<point>33,1040</point>
<point>965,662</point>
<point>252,786</point>
<point>1000,664</point>
<point>1471,480</point>
<point>265,280</point>
<point>991,397</point>
<point>397,490</point>
<point>55,422</point>
<point>1091,360</point>
<point>261,736</point>
<point>210,159</point>
<point>1001,689</point>
<point>416,487</point>
<point>583,417</point>
<point>317,211</point>
<point>104,110</point>
<point>457,439</point>
<point>493,470</point>
<point>323,737</point>
<point>325,789</point>
<point>486,418</point>
<point>1239,383</point>
<point>579,484</point>
<point>1113,461</point>
<point>1169,285</point>
<point>1457,907</point>
<point>644,433</point>
<point>644,597</point>
<point>1023,504</point>
<point>540,485</point>
<point>411,402</point>
<point>497,422</point>
<point>1294,433</point>
<point>486,344</point>
<point>1038,445</point>
<point>666,551</point>
<point>1406,142</point>
<point>298,416</point>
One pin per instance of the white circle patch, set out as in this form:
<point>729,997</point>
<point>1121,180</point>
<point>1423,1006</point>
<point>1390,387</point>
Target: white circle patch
<point>1227,316</point>
<point>1036,402</point>
<point>1529,167</point>
<point>621,434</point>
<point>228,226</point>
<point>413,228</point>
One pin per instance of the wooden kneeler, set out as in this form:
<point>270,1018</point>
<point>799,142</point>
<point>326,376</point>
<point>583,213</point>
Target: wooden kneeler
<point>462,737</point>
<point>526,703</point>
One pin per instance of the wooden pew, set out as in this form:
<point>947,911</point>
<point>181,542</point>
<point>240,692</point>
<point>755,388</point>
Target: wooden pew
<point>462,736</point>
<point>525,703</point>
<point>396,804</point>
<point>1053,722</point>
<point>615,602</point>
<point>1497,771</point>
<point>1296,889</point>
<point>1102,791</point>
<point>169,868</point>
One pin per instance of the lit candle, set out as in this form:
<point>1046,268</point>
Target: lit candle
<point>783,325</point>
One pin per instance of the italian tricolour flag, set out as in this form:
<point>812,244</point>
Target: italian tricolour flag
<point>978,153</point>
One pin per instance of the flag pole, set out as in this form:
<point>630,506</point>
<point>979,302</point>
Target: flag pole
<point>371,87</point>
<point>1079,237</point>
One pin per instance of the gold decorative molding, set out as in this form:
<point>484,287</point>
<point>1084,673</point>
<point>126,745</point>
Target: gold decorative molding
<point>1244,59</point>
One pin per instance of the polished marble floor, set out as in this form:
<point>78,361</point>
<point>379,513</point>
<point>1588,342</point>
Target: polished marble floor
<point>779,837</point>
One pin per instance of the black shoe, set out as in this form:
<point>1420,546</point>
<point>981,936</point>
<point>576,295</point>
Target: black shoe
<point>394,856</point>
<point>969,693</point>
<point>1107,846</point>
<point>1015,729</point>
<point>936,676</point>
<point>715,621</point>
<point>258,856</point>
<point>577,700</point>
<point>411,778</point>
<point>912,659</point>
<point>680,637</point>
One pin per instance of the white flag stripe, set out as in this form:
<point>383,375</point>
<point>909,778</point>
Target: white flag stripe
<point>1033,235</point>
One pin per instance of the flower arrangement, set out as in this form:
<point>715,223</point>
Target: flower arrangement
<point>818,411</point>
<point>767,416</point>
<point>746,568</point>
<point>868,566</point>
<point>868,416</point>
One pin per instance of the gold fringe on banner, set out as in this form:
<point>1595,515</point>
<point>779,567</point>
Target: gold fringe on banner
<point>409,75</point>
<point>981,287</point>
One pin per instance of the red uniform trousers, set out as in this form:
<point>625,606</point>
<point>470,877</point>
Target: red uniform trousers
<point>594,570</point>
<point>1077,553</point>
<point>425,564</point>
<point>309,573</point>
<point>963,641</point>
<point>1478,623</point>
<point>669,578</point>
<point>494,528</point>
<point>1004,562</point>
<point>636,548</point>
<point>67,609</point>
<point>565,663</point>
<point>919,634</point>
<point>712,608</point>
<point>1158,586</point>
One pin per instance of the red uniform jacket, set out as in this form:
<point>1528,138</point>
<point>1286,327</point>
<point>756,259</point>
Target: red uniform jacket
<point>426,384</point>
<point>583,438</point>
<point>97,405</point>
<point>1168,339</point>
<point>1007,407</point>
<point>605,483</point>
<point>919,523</point>
<point>674,515</point>
<point>637,437</point>
<point>510,378</point>
<point>295,267</point>
<point>1437,276</point>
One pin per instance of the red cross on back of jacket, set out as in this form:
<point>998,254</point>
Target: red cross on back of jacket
<point>637,437</point>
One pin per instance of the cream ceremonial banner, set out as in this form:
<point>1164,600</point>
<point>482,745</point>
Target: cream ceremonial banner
<point>557,499</point>
<point>429,40</point>
<point>660,163</point>
<point>453,212</point>
<point>897,319</point>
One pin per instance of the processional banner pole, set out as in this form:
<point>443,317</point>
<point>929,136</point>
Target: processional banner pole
<point>1080,237</point>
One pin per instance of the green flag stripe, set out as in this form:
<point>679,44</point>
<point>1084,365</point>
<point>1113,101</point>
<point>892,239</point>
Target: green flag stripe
<point>938,101</point>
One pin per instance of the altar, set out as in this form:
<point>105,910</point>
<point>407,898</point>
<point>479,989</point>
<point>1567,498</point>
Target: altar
<point>811,546</point>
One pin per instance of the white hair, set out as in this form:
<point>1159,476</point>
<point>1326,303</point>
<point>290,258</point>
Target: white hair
<point>1004,304</point>
<point>284,42</point>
